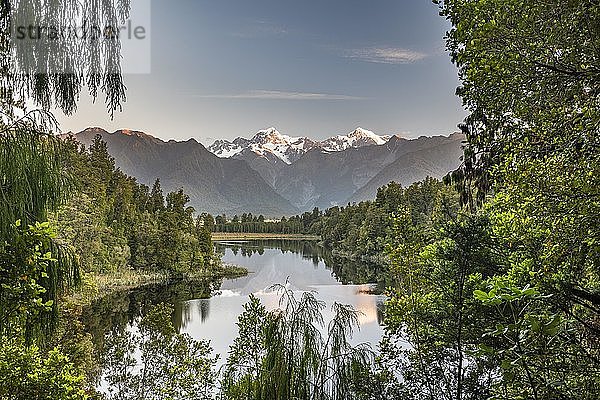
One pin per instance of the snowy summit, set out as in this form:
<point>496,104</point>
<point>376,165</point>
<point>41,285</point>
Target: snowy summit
<point>270,142</point>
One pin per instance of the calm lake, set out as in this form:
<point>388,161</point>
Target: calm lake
<point>209,310</point>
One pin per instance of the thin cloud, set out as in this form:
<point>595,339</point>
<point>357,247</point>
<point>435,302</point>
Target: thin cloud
<point>281,95</point>
<point>261,29</point>
<point>385,55</point>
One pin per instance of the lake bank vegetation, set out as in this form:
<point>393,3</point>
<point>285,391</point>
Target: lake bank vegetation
<point>223,236</point>
<point>91,231</point>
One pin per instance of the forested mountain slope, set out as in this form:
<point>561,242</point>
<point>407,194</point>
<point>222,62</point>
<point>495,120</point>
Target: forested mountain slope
<point>214,184</point>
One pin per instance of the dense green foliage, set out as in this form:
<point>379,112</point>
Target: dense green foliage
<point>26,373</point>
<point>479,318</point>
<point>501,299</point>
<point>116,223</point>
<point>173,366</point>
<point>33,184</point>
<point>365,229</point>
<point>25,265</point>
<point>110,223</point>
<point>540,145</point>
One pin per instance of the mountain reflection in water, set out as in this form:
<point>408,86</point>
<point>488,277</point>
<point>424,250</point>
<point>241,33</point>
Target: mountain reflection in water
<point>302,265</point>
<point>209,309</point>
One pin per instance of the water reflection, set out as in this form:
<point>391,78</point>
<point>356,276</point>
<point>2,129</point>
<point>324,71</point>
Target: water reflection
<point>302,264</point>
<point>345,270</point>
<point>117,311</point>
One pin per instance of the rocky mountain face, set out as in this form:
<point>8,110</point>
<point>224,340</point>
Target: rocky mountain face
<point>275,174</point>
<point>433,157</point>
<point>215,185</point>
<point>269,151</point>
<point>325,179</point>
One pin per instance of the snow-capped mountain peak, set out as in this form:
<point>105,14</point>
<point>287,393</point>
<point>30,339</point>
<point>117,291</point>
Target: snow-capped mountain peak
<point>270,142</point>
<point>224,148</point>
<point>271,135</point>
<point>358,138</point>
<point>363,134</point>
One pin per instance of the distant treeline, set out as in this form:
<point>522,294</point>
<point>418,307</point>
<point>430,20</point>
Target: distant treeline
<point>361,229</point>
<point>248,223</point>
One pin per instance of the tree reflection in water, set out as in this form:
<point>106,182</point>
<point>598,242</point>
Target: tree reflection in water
<point>345,270</point>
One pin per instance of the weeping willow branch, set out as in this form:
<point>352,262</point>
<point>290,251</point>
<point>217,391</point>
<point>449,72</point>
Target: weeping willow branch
<point>300,359</point>
<point>51,72</point>
<point>33,182</point>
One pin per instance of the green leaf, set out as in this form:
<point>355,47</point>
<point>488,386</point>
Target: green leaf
<point>481,295</point>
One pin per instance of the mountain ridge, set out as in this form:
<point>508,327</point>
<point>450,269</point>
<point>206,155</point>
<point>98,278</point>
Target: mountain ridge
<point>323,179</point>
<point>276,174</point>
<point>288,149</point>
<point>214,184</point>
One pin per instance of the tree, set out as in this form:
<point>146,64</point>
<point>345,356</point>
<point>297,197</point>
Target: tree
<point>284,354</point>
<point>33,179</point>
<point>538,353</point>
<point>26,373</point>
<point>157,199</point>
<point>530,75</point>
<point>208,222</point>
<point>24,268</point>
<point>220,220</point>
<point>102,164</point>
<point>53,76</point>
<point>33,184</point>
<point>530,78</point>
<point>173,365</point>
<point>244,362</point>
<point>115,222</point>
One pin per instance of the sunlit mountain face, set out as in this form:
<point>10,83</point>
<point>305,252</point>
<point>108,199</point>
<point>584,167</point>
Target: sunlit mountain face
<point>271,143</point>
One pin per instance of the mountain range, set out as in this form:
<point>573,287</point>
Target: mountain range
<point>215,185</point>
<point>289,149</point>
<point>274,174</point>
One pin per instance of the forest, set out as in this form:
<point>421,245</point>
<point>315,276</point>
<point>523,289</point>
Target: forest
<point>115,223</point>
<point>494,273</point>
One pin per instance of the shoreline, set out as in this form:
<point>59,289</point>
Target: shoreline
<point>221,236</point>
<point>95,286</point>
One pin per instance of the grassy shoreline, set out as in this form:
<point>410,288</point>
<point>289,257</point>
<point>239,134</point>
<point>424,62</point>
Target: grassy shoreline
<point>95,286</point>
<point>216,236</point>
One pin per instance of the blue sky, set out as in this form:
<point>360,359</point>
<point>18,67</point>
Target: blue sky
<point>227,68</point>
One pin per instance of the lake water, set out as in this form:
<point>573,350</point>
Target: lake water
<point>209,310</point>
<point>299,264</point>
